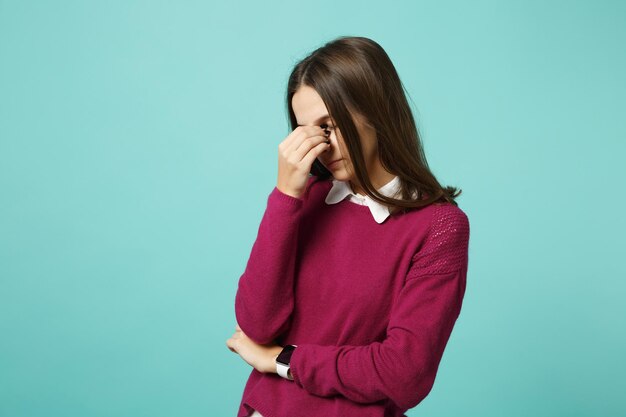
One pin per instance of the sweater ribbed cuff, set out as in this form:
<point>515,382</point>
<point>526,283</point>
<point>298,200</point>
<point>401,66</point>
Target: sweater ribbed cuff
<point>283,198</point>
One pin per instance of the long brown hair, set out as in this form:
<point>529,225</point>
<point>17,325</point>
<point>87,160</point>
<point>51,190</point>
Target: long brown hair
<point>355,76</point>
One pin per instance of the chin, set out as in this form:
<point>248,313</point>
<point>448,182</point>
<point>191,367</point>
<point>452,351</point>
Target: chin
<point>340,175</point>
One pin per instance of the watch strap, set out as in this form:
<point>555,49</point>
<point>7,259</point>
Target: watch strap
<point>283,366</point>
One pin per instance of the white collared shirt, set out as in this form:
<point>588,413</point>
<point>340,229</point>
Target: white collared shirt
<point>341,189</point>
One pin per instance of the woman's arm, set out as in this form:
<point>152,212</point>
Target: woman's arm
<point>403,366</point>
<point>264,300</point>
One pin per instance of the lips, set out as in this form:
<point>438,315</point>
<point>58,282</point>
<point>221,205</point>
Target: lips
<point>333,162</point>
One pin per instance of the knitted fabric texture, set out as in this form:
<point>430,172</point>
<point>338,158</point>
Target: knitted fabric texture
<point>371,306</point>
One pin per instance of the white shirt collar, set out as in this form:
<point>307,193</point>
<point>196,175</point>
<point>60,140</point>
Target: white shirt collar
<point>341,189</point>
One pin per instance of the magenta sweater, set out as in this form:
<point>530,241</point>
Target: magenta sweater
<point>370,306</point>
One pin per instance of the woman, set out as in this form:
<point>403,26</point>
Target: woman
<point>358,271</point>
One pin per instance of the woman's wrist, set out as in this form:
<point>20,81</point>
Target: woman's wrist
<point>271,362</point>
<point>273,368</point>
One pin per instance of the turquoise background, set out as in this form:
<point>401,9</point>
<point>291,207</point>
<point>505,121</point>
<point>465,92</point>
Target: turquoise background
<point>138,145</point>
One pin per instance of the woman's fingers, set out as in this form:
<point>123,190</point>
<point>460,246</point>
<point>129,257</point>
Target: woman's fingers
<point>296,133</point>
<point>301,153</point>
<point>316,151</point>
<point>299,135</point>
<point>231,344</point>
<point>293,169</point>
<point>309,137</point>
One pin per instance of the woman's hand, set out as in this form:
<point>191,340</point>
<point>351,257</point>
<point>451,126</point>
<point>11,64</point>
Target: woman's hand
<point>260,357</point>
<point>296,155</point>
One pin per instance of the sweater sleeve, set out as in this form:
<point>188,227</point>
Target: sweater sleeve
<point>403,366</point>
<point>264,300</point>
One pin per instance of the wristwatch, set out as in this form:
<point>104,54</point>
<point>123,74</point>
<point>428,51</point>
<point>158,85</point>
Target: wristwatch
<point>282,361</point>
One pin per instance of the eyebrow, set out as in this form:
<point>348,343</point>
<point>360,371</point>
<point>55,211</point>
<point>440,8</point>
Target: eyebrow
<point>324,117</point>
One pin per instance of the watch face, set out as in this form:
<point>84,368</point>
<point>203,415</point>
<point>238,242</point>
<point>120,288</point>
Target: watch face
<point>285,355</point>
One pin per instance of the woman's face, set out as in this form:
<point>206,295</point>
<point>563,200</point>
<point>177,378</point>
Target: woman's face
<point>310,110</point>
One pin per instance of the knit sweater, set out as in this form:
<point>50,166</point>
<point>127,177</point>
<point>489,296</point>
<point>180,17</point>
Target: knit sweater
<point>370,306</point>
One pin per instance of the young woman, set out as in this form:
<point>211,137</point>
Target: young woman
<point>358,271</point>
